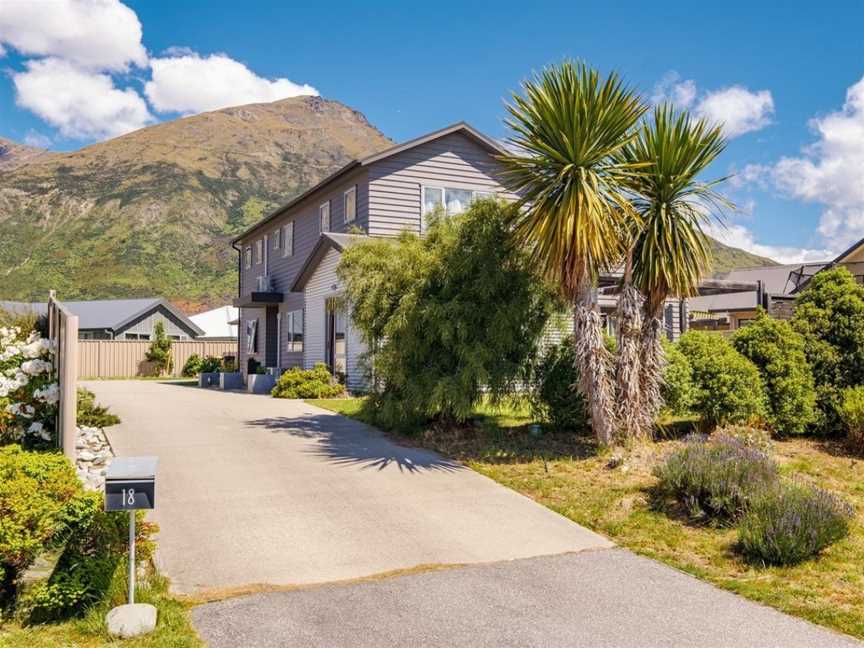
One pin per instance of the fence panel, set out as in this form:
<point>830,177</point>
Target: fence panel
<point>128,358</point>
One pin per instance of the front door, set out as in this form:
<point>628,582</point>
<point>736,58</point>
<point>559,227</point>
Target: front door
<point>335,344</point>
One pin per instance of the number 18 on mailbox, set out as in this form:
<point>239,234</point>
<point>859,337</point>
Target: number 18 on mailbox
<point>130,484</point>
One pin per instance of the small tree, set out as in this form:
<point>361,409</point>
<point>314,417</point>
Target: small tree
<point>452,317</point>
<point>159,352</point>
<point>777,350</point>
<point>829,313</point>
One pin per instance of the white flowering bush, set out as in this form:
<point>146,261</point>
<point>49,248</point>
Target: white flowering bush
<point>28,391</point>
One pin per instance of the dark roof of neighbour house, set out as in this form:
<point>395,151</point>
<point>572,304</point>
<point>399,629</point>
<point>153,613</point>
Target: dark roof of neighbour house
<point>326,242</point>
<point>460,127</point>
<point>826,266</point>
<point>108,314</point>
<point>776,280</point>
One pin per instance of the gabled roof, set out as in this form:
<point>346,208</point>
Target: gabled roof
<point>328,241</point>
<point>112,314</point>
<point>459,127</point>
<point>827,266</point>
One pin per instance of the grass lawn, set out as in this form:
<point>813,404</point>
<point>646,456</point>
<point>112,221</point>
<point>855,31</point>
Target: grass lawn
<point>569,476</point>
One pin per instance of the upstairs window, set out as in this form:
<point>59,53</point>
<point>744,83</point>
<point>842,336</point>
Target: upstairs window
<point>288,239</point>
<point>324,217</point>
<point>350,204</point>
<point>277,239</point>
<point>247,257</point>
<point>453,201</point>
<point>259,251</point>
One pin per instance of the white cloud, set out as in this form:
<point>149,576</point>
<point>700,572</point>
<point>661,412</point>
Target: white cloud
<point>191,84</point>
<point>35,138</point>
<point>831,171</point>
<point>740,237</point>
<point>672,89</point>
<point>97,34</point>
<point>80,103</point>
<point>737,109</point>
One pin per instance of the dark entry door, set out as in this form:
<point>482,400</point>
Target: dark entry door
<point>335,344</point>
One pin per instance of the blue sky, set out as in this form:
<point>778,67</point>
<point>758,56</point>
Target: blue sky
<point>787,82</point>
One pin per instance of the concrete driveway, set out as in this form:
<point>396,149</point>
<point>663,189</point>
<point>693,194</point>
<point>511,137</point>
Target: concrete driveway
<point>255,490</point>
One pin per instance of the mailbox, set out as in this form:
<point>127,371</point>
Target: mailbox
<point>130,484</point>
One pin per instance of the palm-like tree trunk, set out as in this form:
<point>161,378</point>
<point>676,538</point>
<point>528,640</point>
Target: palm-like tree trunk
<point>593,362</point>
<point>652,362</point>
<point>629,417</point>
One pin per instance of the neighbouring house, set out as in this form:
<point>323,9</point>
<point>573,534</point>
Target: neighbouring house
<point>289,314</point>
<point>775,290</point>
<point>217,323</point>
<point>120,319</point>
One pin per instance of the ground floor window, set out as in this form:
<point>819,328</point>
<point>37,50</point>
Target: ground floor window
<point>294,328</point>
<point>252,336</point>
<point>335,342</point>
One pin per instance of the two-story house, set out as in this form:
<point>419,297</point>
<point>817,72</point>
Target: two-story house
<point>288,314</point>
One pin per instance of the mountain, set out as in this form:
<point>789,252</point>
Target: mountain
<point>725,258</point>
<point>13,154</point>
<point>152,212</point>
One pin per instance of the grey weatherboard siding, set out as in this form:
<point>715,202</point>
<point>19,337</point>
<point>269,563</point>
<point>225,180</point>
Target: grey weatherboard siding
<point>389,200</point>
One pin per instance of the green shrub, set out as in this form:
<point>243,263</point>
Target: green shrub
<point>192,366</point>
<point>715,477</point>
<point>554,397</point>
<point>91,414</point>
<point>728,388</point>
<point>95,551</point>
<point>454,317</point>
<point>41,501</point>
<point>777,350</point>
<point>678,390</point>
<point>211,364</point>
<point>829,314</point>
<point>791,523</point>
<point>851,412</point>
<point>307,383</point>
<point>159,352</point>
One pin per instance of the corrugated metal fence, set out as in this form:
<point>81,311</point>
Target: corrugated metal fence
<point>127,358</point>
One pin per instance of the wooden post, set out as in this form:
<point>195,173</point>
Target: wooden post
<point>69,385</point>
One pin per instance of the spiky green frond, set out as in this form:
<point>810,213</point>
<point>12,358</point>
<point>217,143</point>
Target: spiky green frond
<point>567,128</point>
<point>671,250</point>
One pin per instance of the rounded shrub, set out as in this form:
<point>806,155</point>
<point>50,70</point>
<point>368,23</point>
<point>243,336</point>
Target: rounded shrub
<point>307,383</point>
<point>777,350</point>
<point>92,414</point>
<point>715,477</point>
<point>851,411</point>
<point>678,390</point>
<point>791,523</point>
<point>192,366</point>
<point>728,388</point>
<point>40,502</point>
<point>554,397</point>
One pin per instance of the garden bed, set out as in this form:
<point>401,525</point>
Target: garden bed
<point>567,474</point>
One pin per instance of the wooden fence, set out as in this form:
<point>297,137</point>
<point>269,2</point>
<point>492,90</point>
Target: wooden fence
<point>127,358</point>
<point>63,333</point>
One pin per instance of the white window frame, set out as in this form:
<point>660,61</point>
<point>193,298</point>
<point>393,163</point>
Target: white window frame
<point>475,194</point>
<point>323,209</point>
<point>259,251</point>
<point>247,257</point>
<point>277,238</point>
<point>288,239</point>
<point>292,319</point>
<point>351,191</point>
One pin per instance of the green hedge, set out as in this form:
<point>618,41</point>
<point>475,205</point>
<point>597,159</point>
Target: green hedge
<point>308,383</point>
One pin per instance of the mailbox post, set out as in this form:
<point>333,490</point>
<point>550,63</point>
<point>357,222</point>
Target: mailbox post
<point>130,485</point>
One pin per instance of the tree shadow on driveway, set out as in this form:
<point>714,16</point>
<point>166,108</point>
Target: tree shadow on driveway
<point>344,442</point>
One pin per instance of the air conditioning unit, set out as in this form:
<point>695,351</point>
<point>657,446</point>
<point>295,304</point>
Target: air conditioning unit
<point>263,284</point>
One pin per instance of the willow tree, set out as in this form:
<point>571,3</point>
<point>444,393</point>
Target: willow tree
<point>568,128</point>
<point>670,252</point>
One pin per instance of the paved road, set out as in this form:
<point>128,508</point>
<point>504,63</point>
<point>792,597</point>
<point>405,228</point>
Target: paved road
<point>603,598</point>
<point>255,490</point>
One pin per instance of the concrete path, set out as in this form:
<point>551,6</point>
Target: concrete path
<point>606,598</point>
<point>255,490</point>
